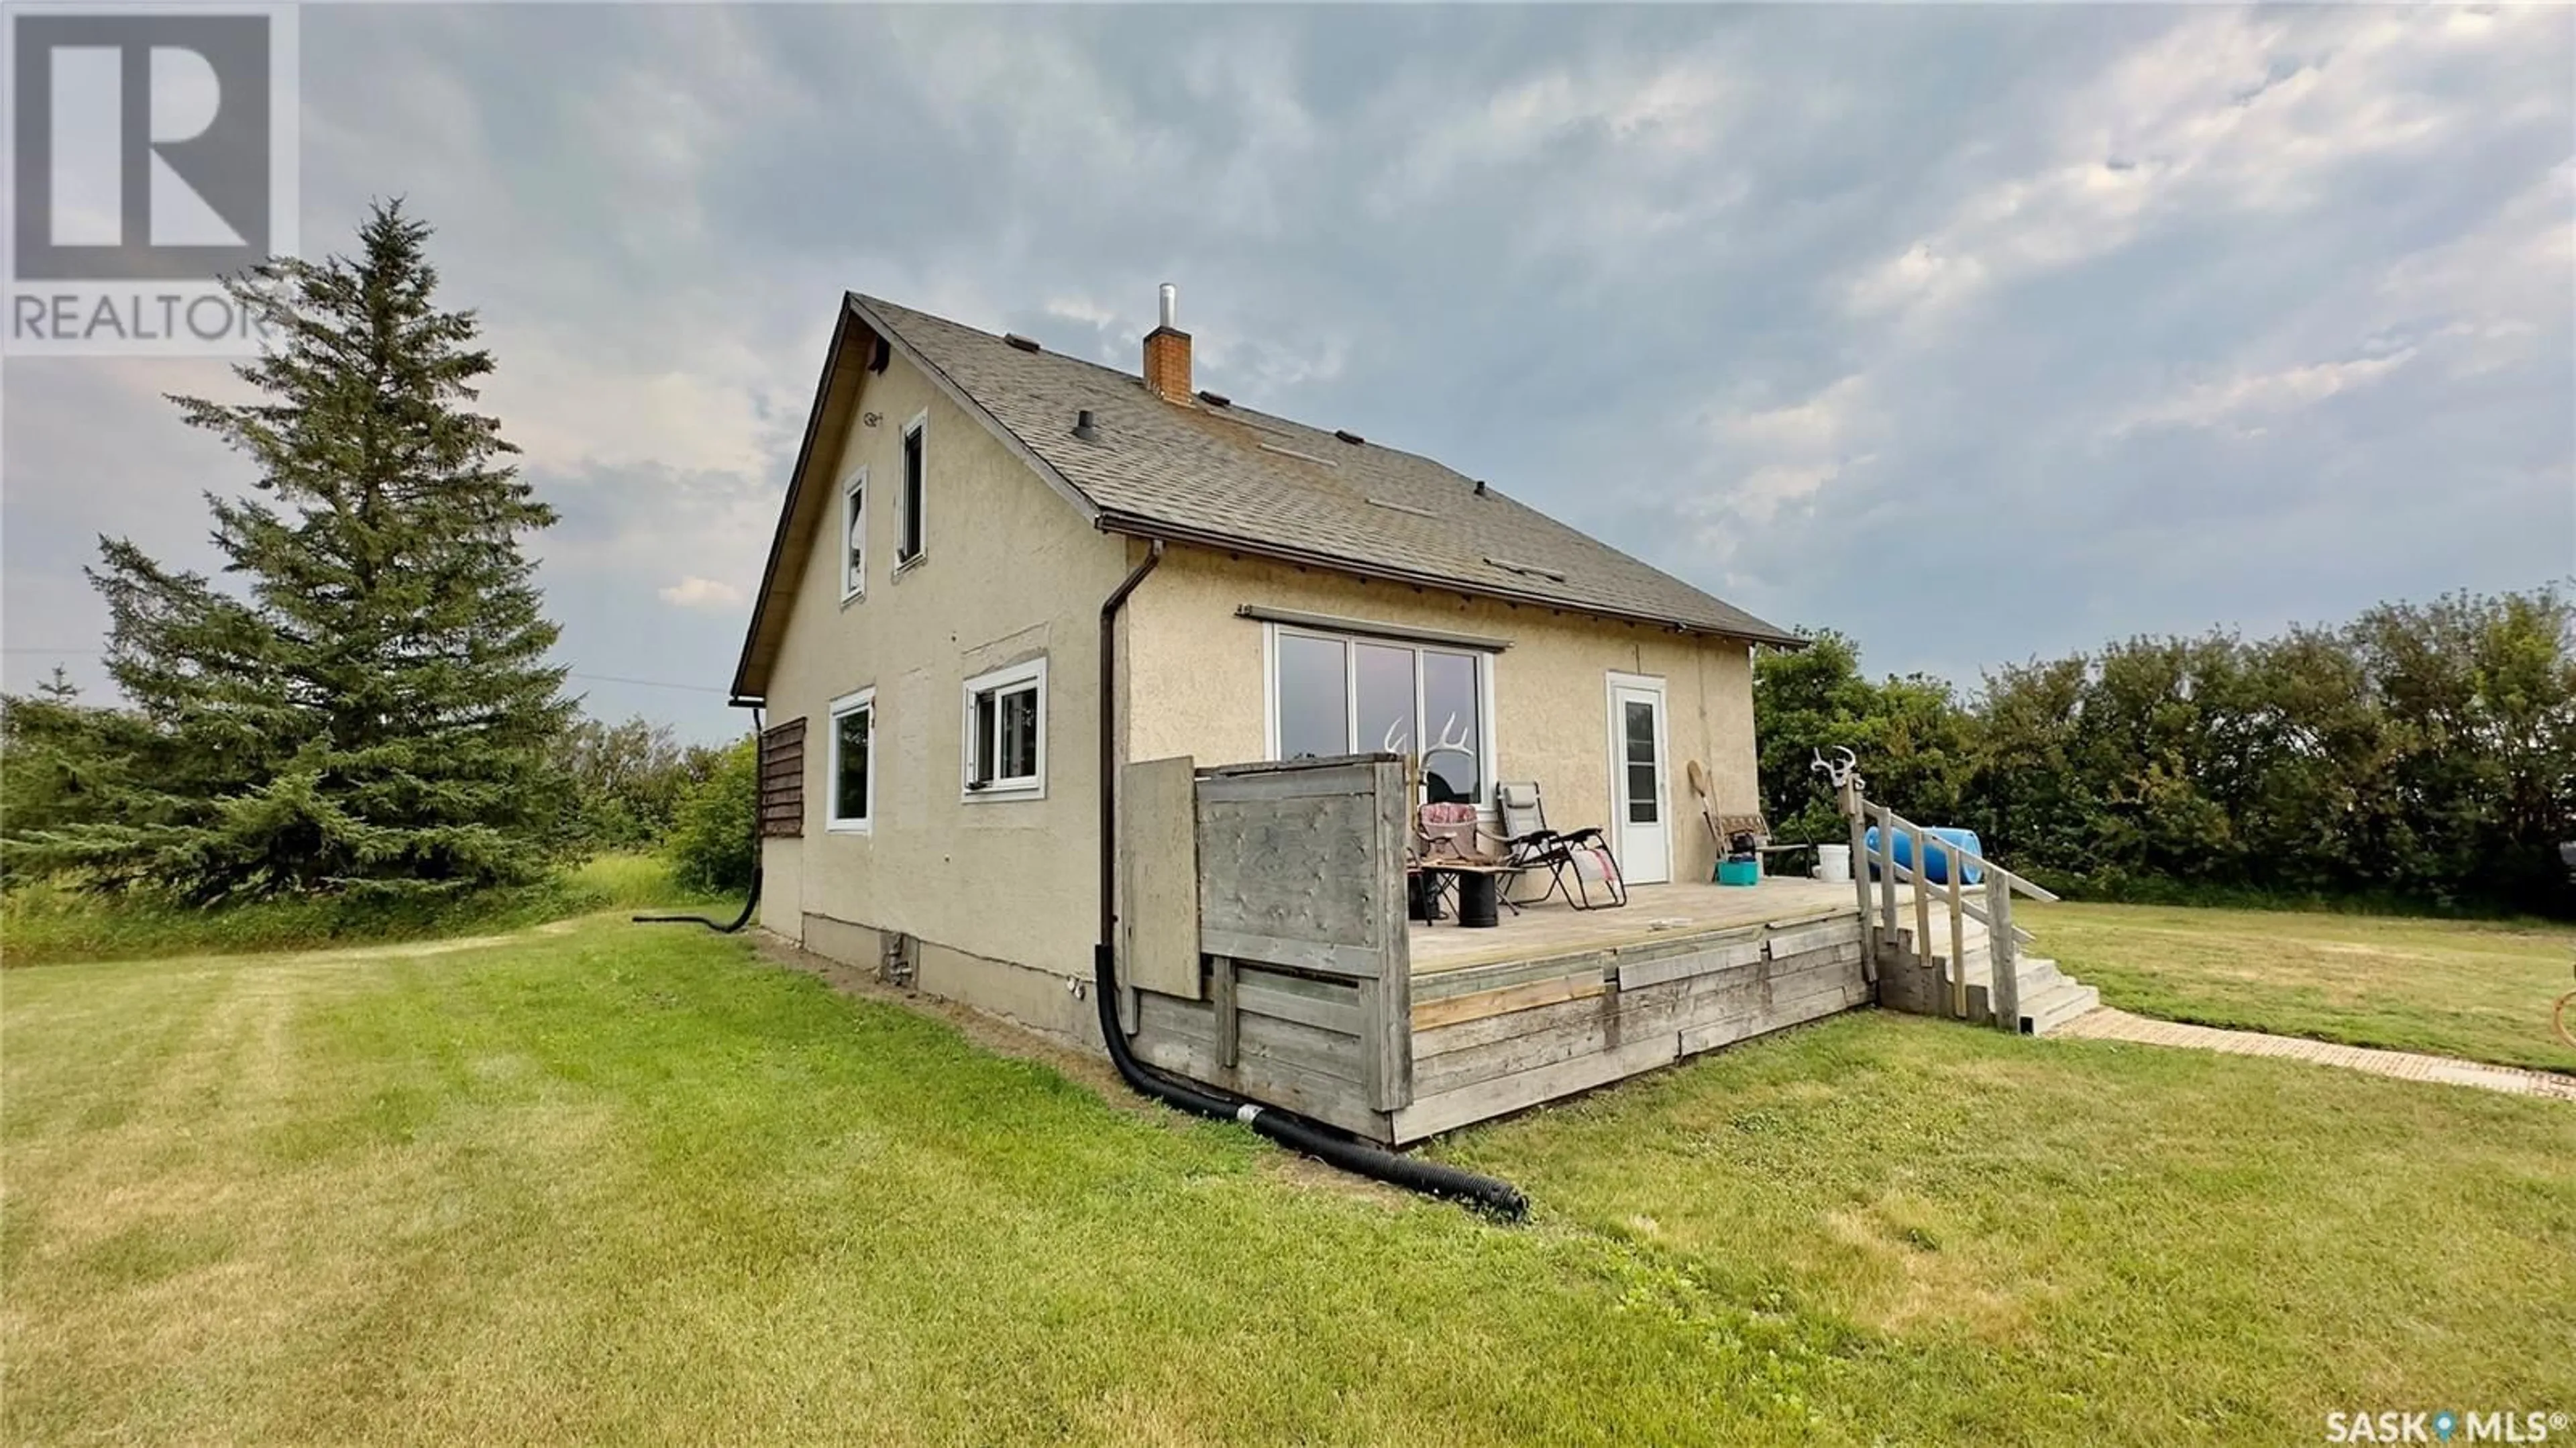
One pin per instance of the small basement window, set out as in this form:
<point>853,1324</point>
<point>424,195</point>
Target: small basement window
<point>1006,733</point>
<point>909,546</point>
<point>854,535</point>
<point>853,763</point>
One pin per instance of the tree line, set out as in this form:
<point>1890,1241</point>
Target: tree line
<point>2423,754</point>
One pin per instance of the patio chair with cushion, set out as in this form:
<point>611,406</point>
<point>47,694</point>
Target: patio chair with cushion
<point>1451,833</point>
<point>1578,863</point>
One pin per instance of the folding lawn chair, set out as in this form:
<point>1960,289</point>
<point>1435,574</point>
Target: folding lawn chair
<point>1578,863</point>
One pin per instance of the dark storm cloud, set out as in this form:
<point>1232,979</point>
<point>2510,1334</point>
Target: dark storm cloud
<point>1976,332</point>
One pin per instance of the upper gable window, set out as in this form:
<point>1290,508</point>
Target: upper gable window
<point>915,439</point>
<point>854,535</point>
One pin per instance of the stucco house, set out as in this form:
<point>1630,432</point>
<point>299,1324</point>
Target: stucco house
<point>928,640</point>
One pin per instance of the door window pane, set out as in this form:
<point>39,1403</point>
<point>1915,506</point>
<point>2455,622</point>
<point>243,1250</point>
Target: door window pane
<point>1641,794</point>
<point>1640,721</point>
<point>1314,702</point>
<point>1453,730</point>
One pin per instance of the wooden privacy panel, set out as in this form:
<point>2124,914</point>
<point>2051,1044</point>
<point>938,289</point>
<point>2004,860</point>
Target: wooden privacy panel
<point>1301,865</point>
<point>1158,877</point>
<point>1295,868</point>
<point>782,780</point>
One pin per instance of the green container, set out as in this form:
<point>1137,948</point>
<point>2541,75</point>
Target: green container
<point>1739,872</point>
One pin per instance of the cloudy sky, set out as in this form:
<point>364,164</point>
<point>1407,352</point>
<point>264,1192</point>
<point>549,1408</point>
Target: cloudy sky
<point>1977,333</point>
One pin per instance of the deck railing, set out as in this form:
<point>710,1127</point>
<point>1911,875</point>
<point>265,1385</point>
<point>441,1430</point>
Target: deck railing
<point>1883,920</point>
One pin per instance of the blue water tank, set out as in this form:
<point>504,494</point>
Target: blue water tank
<point>1936,868</point>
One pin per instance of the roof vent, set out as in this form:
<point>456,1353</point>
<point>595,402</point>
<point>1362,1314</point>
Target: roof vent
<point>1215,399</point>
<point>1290,452</point>
<point>1532,570</point>
<point>1025,344</point>
<point>1348,436</point>
<point>1402,507</point>
<point>1480,487</point>
<point>1084,428</point>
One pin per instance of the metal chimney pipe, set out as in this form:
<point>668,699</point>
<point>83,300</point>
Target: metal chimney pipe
<point>1171,306</point>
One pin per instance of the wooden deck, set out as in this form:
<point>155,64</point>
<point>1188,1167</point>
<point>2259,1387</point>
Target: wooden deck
<point>1555,1001</point>
<point>1309,991</point>
<point>1654,914</point>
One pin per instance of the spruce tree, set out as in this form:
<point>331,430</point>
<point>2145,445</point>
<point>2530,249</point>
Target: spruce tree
<point>369,707</point>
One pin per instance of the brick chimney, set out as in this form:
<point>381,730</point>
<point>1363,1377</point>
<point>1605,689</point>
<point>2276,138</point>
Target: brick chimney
<point>1167,352</point>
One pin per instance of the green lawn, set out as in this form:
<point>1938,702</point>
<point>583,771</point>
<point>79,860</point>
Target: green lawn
<point>2453,988</point>
<point>46,923</point>
<point>615,1183</point>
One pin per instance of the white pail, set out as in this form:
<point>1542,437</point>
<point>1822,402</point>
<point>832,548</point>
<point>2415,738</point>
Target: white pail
<point>1833,863</point>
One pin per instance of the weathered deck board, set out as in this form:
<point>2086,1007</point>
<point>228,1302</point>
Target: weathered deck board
<point>1510,1000</point>
<point>1158,913</point>
<point>1429,1115</point>
<point>1468,1067</point>
<point>1681,909</point>
<point>1778,988</point>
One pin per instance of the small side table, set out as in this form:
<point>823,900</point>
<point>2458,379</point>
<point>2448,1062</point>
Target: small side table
<point>1480,892</point>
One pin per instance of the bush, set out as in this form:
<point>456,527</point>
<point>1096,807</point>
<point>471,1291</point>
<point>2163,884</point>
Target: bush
<point>2424,753</point>
<point>711,841</point>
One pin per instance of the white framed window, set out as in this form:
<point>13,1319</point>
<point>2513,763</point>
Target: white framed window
<point>914,538</point>
<point>1005,753</point>
<point>1336,693</point>
<point>854,536</point>
<point>851,784</point>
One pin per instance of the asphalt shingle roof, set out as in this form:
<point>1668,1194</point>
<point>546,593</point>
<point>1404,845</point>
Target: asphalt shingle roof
<point>1234,475</point>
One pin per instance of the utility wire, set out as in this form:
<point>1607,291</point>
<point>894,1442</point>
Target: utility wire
<point>569,674</point>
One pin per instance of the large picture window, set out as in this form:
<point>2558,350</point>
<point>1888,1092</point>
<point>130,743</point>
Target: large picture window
<point>853,780</point>
<point>1338,694</point>
<point>1006,732</point>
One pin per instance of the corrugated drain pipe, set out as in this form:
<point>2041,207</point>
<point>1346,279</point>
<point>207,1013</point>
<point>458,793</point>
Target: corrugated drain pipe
<point>1324,1143</point>
<point>750,902</point>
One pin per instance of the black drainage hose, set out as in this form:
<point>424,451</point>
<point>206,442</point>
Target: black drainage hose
<point>1333,1148</point>
<point>750,902</point>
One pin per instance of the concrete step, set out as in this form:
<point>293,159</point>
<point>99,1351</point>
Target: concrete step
<point>2054,1007</point>
<point>2037,975</point>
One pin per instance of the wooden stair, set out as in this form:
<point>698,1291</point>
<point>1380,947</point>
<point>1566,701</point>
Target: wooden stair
<point>2047,997</point>
<point>1915,924</point>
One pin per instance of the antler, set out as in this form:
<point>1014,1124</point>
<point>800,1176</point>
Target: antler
<point>1838,770</point>
<point>1453,740</point>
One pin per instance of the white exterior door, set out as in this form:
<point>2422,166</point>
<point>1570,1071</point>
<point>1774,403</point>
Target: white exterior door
<point>1640,806</point>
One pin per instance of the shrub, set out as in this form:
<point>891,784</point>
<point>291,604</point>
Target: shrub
<point>711,842</point>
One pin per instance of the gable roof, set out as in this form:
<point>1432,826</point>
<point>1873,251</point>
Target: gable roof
<point>1234,478</point>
